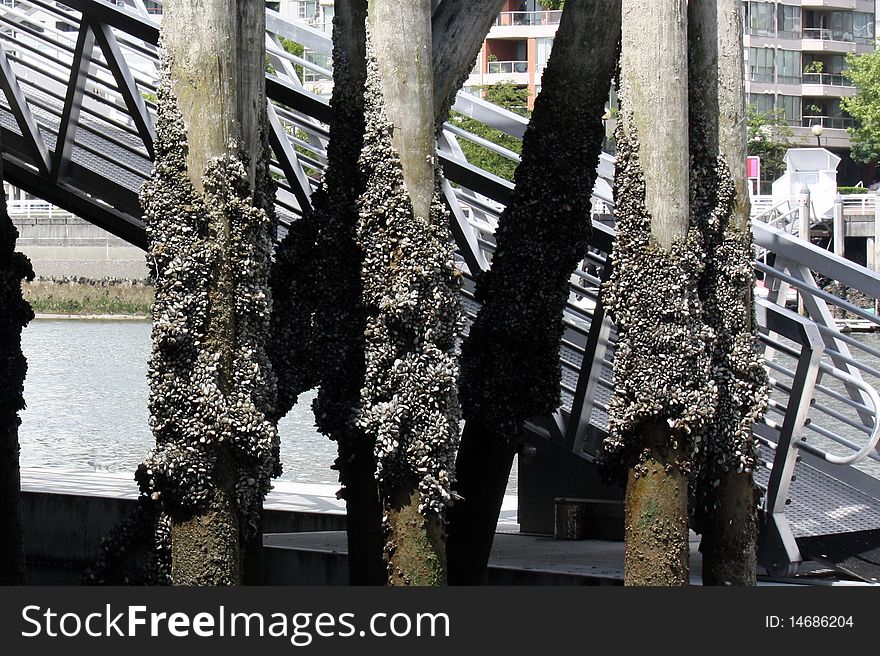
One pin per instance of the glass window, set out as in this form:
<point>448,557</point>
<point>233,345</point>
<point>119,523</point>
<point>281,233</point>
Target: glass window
<point>318,59</point>
<point>543,48</point>
<point>863,27</point>
<point>842,26</point>
<point>306,9</point>
<point>792,107</point>
<point>763,102</point>
<point>762,19</point>
<point>761,64</point>
<point>789,22</point>
<point>789,67</point>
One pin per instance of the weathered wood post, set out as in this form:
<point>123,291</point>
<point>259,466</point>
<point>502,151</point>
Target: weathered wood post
<point>510,359</point>
<point>209,211</point>
<point>409,405</point>
<point>724,507</point>
<point>663,391</point>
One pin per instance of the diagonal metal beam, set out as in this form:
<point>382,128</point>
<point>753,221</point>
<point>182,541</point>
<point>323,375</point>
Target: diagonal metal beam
<point>23,116</point>
<point>82,59</point>
<point>288,161</point>
<point>125,81</point>
<point>463,233</point>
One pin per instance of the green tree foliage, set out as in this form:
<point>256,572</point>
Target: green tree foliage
<point>510,97</point>
<point>864,71</point>
<point>552,4</point>
<point>769,136</point>
<point>293,48</point>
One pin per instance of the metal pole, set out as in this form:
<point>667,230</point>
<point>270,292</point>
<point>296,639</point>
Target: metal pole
<point>872,256</point>
<point>839,227</point>
<point>803,230</point>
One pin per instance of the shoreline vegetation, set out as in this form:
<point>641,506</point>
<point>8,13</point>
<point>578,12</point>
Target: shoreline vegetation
<point>83,298</point>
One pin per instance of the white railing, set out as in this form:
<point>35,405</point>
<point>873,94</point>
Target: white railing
<point>507,67</point>
<point>515,18</point>
<point>32,209</point>
<point>859,203</point>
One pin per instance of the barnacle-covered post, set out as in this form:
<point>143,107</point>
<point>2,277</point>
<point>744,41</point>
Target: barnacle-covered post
<point>318,319</point>
<point>663,391</point>
<point>208,209</point>
<point>725,498</point>
<point>510,359</point>
<point>15,313</point>
<point>339,316</point>
<point>409,405</point>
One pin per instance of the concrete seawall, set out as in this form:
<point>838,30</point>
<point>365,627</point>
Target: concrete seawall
<point>62,245</point>
<point>68,513</point>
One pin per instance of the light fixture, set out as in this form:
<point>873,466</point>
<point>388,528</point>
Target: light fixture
<point>817,131</point>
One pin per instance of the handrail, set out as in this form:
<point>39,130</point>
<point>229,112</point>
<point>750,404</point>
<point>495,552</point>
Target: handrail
<point>874,438</point>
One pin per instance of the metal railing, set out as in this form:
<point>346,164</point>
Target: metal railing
<point>32,209</point>
<point>834,122</point>
<point>507,67</point>
<point>829,79</point>
<point>823,379</point>
<point>825,34</point>
<point>509,18</point>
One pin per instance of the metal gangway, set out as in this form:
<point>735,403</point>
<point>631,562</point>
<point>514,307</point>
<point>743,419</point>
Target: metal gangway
<point>77,120</point>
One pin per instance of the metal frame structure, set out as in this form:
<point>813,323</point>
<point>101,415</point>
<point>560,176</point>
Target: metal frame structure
<point>77,127</point>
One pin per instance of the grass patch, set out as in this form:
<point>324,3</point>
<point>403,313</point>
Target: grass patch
<point>89,297</point>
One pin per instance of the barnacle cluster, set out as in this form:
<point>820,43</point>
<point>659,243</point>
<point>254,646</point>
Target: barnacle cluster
<point>294,283</point>
<point>317,324</point>
<point>16,313</point>
<point>662,364</point>
<point>510,359</point>
<point>725,288</point>
<point>410,292</point>
<point>212,388</point>
<point>137,551</point>
<point>339,308</point>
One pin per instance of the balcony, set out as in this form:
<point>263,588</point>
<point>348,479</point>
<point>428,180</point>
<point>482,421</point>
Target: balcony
<point>834,135</point>
<point>829,4</point>
<point>831,122</point>
<point>828,85</point>
<point>829,79</point>
<point>507,18</point>
<point>507,67</point>
<point>821,39</point>
<point>525,24</point>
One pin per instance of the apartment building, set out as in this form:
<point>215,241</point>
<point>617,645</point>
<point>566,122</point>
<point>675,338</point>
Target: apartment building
<point>517,47</point>
<point>795,58</point>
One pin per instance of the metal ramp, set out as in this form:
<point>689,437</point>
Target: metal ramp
<point>76,119</point>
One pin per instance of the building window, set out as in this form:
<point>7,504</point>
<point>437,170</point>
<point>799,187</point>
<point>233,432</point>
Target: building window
<point>543,48</point>
<point>761,64</point>
<point>306,9</point>
<point>863,27</point>
<point>761,19</point>
<point>792,107</point>
<point>842,26</point>
<point>789,67</point>
<point>788,22</point>
<point>763,102</point>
